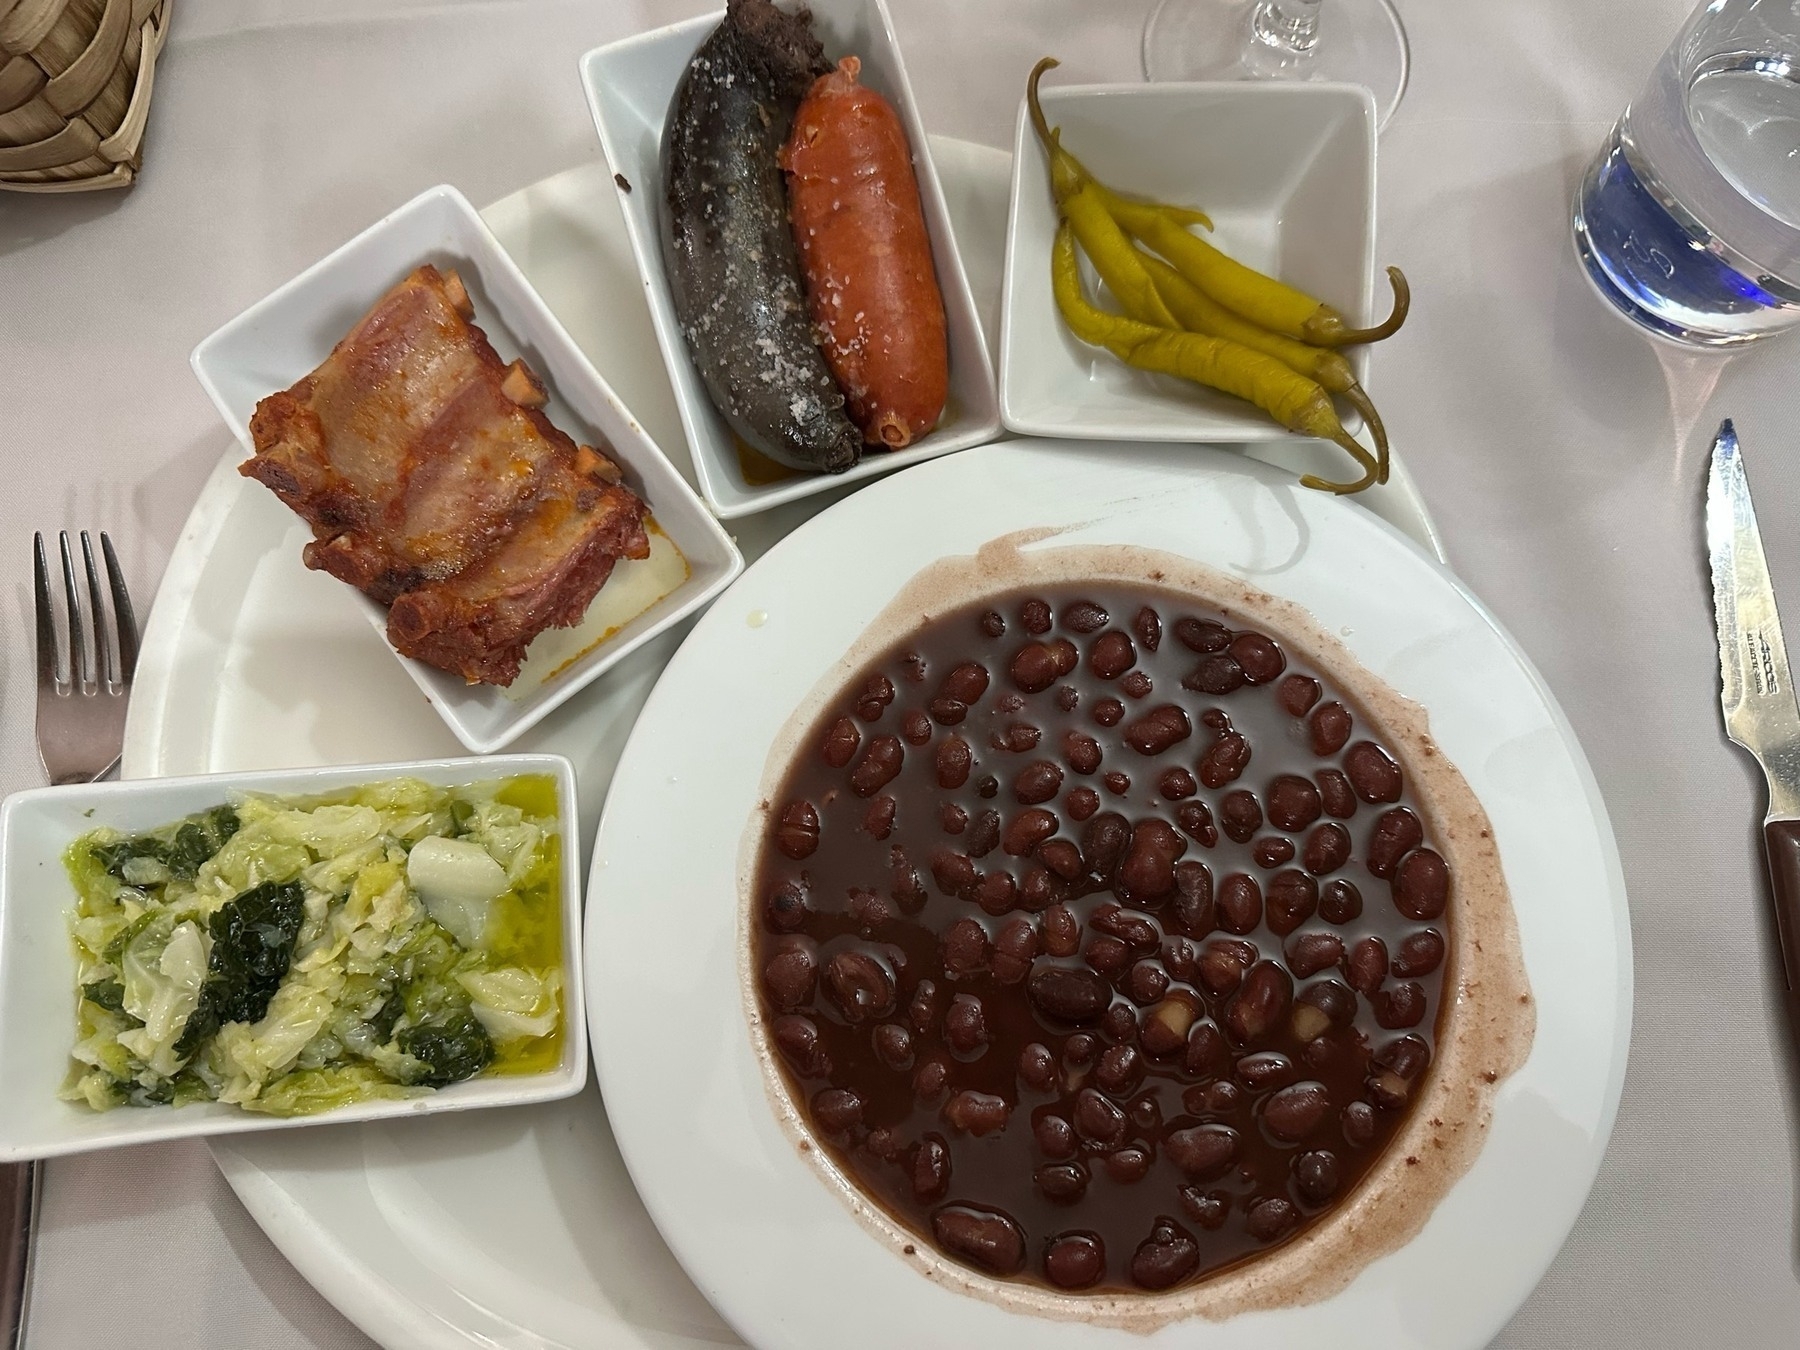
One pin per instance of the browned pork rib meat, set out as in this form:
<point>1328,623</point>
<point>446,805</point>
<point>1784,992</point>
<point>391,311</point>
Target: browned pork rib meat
<point>428,473</point>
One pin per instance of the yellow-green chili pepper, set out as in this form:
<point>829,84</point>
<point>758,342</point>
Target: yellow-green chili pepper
<point>1198,312</point>
<point>1248,293</point>
<point>1108,247</point>
<point>1299,404</point>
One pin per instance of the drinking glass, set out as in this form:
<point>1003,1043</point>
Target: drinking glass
<point>1688,222</point>
<point>1355,41</point>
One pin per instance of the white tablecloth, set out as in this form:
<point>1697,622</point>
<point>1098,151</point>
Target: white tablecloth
<point>1562,454</point>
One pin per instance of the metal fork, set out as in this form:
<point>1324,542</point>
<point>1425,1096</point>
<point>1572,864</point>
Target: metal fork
<point>81,704</point>
<point>80,732</point>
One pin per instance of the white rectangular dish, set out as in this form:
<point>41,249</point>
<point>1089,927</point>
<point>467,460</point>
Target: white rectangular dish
<point>1285,169</point>
<point>38,966</point>
<point>629,87</point>
<point>281,338</point>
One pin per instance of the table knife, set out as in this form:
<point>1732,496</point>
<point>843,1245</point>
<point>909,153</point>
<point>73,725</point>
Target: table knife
<point>19,1191</point>
<point>1761,713</point>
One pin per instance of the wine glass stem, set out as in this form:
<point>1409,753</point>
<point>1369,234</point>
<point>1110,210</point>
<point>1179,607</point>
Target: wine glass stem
<point>1291,27</point>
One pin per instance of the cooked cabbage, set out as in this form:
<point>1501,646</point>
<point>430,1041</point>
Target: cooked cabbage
<point>295,955</point>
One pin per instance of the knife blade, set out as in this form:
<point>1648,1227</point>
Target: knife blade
<point>1757,686</point>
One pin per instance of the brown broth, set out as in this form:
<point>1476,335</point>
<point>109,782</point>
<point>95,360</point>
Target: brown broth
<point>849,931</point>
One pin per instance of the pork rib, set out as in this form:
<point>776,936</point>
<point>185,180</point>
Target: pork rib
<point>425,469</point>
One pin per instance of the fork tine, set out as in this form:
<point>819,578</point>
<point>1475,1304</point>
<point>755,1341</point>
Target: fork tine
<point>122,612</point>
<point>106,666</point>
<point>80,669</point>
<point>46,616</point>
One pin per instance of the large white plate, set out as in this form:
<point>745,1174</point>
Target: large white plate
<point>521,1228</point>
<point>777,1251</point>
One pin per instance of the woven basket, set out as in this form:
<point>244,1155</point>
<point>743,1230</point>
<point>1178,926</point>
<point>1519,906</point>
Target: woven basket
<point>75,78</point>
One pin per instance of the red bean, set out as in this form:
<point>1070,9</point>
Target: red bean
<point>915,729</point>
<point>1216,675</point>
<point>1148,627</point>
<point>1107,955</point>
<point>986,1239</point>
<point>1327,849</point>
<point>1240,903</point>
<point>1297,694</point>
<point>1129,1164</point>
<point>1145,983</point>
<point>1420,953</point>
<point>1061,857</point>
<point>1340,902</point>
<point>1330,724</point>
<point>1196,822</point>
<point>953,818</point>
<point>1368,966</point>
<point>1224,760</point>
<point>1202,1151</point>
<point>1158,730</point>
<point>1121,1069</point>
<point>1422,885</point>
<point>1294,803</point>
<point>1209,1209</point>
<point>1295,1112</point>
<point>1082,803</point>
<point>1260,1005</point>
<point>1116,783</point>
<point>1165,1258</point>
<point>1033,667</point>
<point>1400,1006</point>
<point>963,948</point>
<point>1240,815</point>
<point>976,1113</point>
<point>931,1168</point>
<point>1176,784</point>
<point>1273,851</point>
<point>1069,994</point>
<point>1180,957</point>
<point>878,820</point>
<point>1098,1120</point>
<point>1372,772</point>
<point>932,1077</point>
<point>785,909</point>
<point>1316,1176</point>
<point>1062,1182</point>
<point>1358,1122</point>
<point>1055,1137</point>
<point>1081,751</point>
<point>954,760</point>
<point>1408,1056</point>
<point>1293,898</point>
<point>1063,652</point>
<point>1147,873</point>
<point>984,834</point>
<point>791,976</point>
<point>840,743</point>
<point>1396,833</point>
<point>1018,738</point>
<point>1027,830</point>
<point>965,1026</point>
<point>1103,843</point>
<point>1034,616</point>
<point>1074,1260</point>
<point>1202,635</point>
<point>1134,930</point>
<point>1014,950</point>
<point>798,833</point>
<point>1037,1067</point>
<point>1265,1071</point>
<point>992,624</point>
<point>836,1110</point>
<point>1108,712</point>
<point>1194,910</point>
<point>860,985</point>
<point>878,766</point>
<point>922,1011</point>
<point>1259,658</point>
<point>798,1040</point>
<point>1062,931</point>
<point>875,697</point>
<point>1207,1052</point>
<point>894,1046</point>
<point>1309,953</point>
<point>1111,655</point>
<point>1084,616</point>
<point>953,872</point>
<point>1068,698</point>
<point>1320,1008</point>
<point>966,683</point>
<point>1269,1219</point>
<point>1336,794</point>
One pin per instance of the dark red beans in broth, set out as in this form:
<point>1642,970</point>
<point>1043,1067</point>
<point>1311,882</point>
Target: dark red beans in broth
<point>1092,1042</point>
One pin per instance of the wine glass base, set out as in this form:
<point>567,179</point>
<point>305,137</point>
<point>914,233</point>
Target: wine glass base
<point>1360,42</point>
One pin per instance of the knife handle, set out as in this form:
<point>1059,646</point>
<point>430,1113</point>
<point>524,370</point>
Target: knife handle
<point>1781,842</point>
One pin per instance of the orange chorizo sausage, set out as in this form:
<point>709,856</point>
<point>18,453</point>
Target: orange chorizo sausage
<point>870,283</point>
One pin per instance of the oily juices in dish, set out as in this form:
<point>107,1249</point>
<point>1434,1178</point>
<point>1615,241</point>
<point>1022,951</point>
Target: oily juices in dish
<point>1099,942</point>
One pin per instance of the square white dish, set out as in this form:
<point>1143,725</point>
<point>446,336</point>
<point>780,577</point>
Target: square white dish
<point>284,336</point>
<point>629,87</point>
<point>1286,171</point>
<point>38,970</point>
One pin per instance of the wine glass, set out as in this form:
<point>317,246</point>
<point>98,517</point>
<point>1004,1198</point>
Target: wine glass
<point>1356,41</point>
